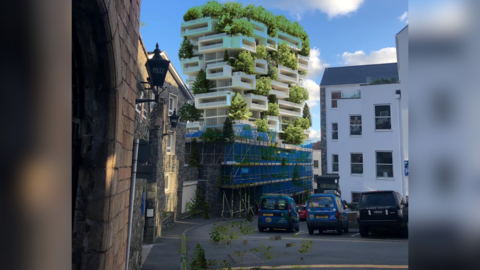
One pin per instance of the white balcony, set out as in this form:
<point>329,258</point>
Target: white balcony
<point>279,85</point>
<point>290,112</point>
<point>289,104</point>
<point>197,21</point>
<point>212,37</point>
<point>198,31</point>
<point>302,66</point>
<point>273,122</point>
<point>194,42</point>
<point>256,102</point>
<point>294,42</point>
<point>191,70</point>
<point>213,104</point>
<point>249,47</point>
<point>279,94</point>
<point>211,47</point>
<point>287,75</point>
<point>304,58</point>
<point>217,71</point>
<point>261,66</point>
<point>197,28</point>
<point>243,43</point>
<point>285,78</point>
<point>241,80</point>
<point>259,33</point>
<point>217,94</point>
<point>217,99</point>
<point>190,60</point>
<point>193,126</point>
<point>192,66</point>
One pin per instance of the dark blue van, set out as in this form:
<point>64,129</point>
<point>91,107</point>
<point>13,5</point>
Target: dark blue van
<point>326,212</point>
<point>278,211</point>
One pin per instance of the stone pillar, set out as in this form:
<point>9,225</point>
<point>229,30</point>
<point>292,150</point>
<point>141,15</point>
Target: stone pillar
<point>323,134</point>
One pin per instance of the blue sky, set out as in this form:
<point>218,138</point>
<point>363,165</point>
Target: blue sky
<point>342,32</point>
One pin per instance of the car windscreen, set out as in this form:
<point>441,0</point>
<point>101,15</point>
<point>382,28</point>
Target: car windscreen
<point>376,199</point>
<point>300,208</point>
<point>321,202</point>
<point>274,204</point>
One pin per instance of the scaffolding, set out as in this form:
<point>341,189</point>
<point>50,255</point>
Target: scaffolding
<point>254,164</point>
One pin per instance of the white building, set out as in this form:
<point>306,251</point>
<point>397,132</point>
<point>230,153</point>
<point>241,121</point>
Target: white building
<point>363,125</point>
<point>209,49</point>
<point>317,161</point>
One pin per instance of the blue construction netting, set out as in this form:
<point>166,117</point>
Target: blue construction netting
<point>258,174</point>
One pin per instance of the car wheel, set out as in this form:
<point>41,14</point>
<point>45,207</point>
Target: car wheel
<point>340,229</point>
<point>363,231</point>
<point>310,231</point>
<point>291,228</point>
<point>261,229</point>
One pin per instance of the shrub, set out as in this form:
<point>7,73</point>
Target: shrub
<point>188,112</point>
<point>238,109</point>
<point>302,72</point>
<point>294,135</point>
<point>297,94</point>
<point>306,114</point>
<point>212,9</point>
<point>186,49</point>
<point>234,9</point>
<point>192,14</point>
<point>273,109</point>
<point>226,57</point>
<point>211,135</point>
<point>201,84</point>
<point>304,123</point>
<point>272,99</point>
<point>228,132</point>
<point>262,125</point>
<point>241,26</point>
<point>305,47</point>
<point>272,72</point>
<point>286,57</point>
<point>199,262</point>
<point>261,52</point>
<point>245,63</point>
<point>264,84</point>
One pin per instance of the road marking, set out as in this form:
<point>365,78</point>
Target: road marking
<point>354,234</point>
<point>329,266</point>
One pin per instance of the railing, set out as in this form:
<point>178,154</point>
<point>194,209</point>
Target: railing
<point>280,84</point>
<point>212,94</point>
<point>288,103</point>
<point>349,95</point>
<point>248,47</point>
<point>259,106</point>
<point>271,117</point>
<point>196,21</point>
<point>212,36</point>
<point>214,75</point>
<point>296,113</point>
<point>303,65</point>
<point>195,68</point>
<point>218,64</point>
<point>280,33</point>
<point>287,69</point>
<point>196,58</point>
<point>196,124</point>
<point>261,69</point>
<point>303,57</point>
<point>277,93</point>
<point>193,31</point>
<point>213,46</point>
<point>272,46</point>
<point>285,77</point>
<point>212,104</point>
<point>293,46</point>
<point>258,32</point>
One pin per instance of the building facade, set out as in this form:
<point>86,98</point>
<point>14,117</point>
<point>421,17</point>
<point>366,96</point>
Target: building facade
<point>317,161</point>
<point>363,126</point>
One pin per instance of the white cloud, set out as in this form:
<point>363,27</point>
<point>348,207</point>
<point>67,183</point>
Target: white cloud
<point>404,17</point>
<point>332,8</point>
<point>313,92</point>
<point>315,64</point>
<point>314,135</point>
<point>385,55</point>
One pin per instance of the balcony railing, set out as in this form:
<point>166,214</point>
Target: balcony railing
<point>258,106</point>
<point>302,65</point>
<point>193,31</point>
<point>284,111</point>
<point>212,104</point>
<point>213,46</point>
<point>248,47</point>
<point>280,84</point>
<point>303,57</point>
<point>213,94</point>
<point>291,104</point>
<point>196,58</point>
<point>280,33</point>
<point>278,93</point>
<point>285,77</point>
<point>271,117</point>
<point>258,32</point>
<point>212,36</point>
<point>196,21</point>
<point>196,124</point>
<point>195,68</point>
<point>218,64</point>
<point>214,75</point>
<point>260,69</point>
<point>287,69</point>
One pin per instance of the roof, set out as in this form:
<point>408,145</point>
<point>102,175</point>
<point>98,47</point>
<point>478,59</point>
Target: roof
<point>316,145</point>
<point>358,74</point>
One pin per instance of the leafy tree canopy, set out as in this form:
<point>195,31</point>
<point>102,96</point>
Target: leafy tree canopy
<point>186,49</point>
<point>261,52</point>
<point>262,125</point>
<point>193,14</point>
<point>238,109</point>
<point>245,63</point>
<point>241,26</point>
<point>294,135</point>
<point>273,109</point>
<point>303,123</point>
<point>297,94</point>
<point>264,84</point>
<point>212,9</point>
<point>201,84</point>
<point>302,72</point>
<point>286,57</point>
<point>188,112</point>
<point>306,114</point>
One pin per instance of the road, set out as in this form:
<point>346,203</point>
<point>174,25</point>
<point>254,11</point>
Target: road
<point>327,250</point>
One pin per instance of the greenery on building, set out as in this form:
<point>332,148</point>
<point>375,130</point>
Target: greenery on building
<point>198,261</point>
<point>212,9</point>
<point>188,112</point>
<point>303,123</point>
<point>240,27</point>
<point>194,160</point>
<point>238,109</point>
<point>264,84</point>
<point>262,125</point>
<point>272,72</point>
<point>261,52</point>
<point>245,62</point>
<point>211,135</point>
<point>286,57</point>
<point>306,113</point>
<point>192,14</point>
<point>228,132</point>
<point>294,134</point>
<point>383,81</point>
<point>302,72</point>
<point>201,84</point>
<point>273,109</point>
<point>226,57</point>
<point>186,49</point>
<point>297,94</point>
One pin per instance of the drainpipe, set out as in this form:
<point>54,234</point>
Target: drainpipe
<point>132,198</point>
<point>398,95</point>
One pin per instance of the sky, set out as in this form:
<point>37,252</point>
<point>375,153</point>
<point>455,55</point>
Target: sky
<point>342,33</point>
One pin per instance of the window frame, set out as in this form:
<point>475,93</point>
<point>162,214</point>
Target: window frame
<point>316,166</point>
<point>384,164</point>
<point>336,99</point>
<point>170,147</point>
<point>334,131</point>
<point>351,163</point>
<point>359,195</point>
<point>360,125</point>
<point>333,162</point>
<point>167,182</point>
<point>172,103</point>
<point>375,117</point>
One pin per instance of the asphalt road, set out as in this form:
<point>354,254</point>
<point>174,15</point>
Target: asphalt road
<point>327,250</point>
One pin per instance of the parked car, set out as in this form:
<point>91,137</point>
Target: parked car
<point>326,212</point>
<point>302,211</point>
<point>382,210</point>
<point>278,211</point>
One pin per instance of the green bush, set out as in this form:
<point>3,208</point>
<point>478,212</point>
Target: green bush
<point>212,9</point>
<point>192,14</point>
<point>245,63</point>
<point>305,47</point>
<point>286,57</point>
<point>272,72</point>
<point>201,84</point>
<point>304,123</point>
<point>297,94</point>
<point>238,109</point>
<point>241,27</point>
<point>294,135</point>
<point>264,84</point>
<point>186,49</point>
<point>261,52</point>
<point>262,125</point>
<point>302,72</point>
<point>211,135</point>
<point>198,262</point>
<point>188,112</point>
<point>273,109</point>
<point>272,99</point>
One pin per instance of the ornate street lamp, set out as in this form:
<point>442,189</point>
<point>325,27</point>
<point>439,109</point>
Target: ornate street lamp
<point>173,121</point>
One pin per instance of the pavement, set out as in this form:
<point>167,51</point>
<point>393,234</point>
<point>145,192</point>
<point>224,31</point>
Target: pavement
<point>280,249</point>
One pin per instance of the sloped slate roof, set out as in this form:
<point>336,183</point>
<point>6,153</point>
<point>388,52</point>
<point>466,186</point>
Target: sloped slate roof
<point>358,74</point>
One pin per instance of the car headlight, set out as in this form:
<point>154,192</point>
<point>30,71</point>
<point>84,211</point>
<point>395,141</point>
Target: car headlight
<point>358,214</point>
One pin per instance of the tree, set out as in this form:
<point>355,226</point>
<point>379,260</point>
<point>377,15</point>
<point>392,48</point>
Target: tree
<point>302,72</point>
<point>297,94</point>
<point>226,57</point>
<point>261,52</point>
<point>273,109</point>
<point>239,110</point>
<point>212,9</point>
<point>234,9</point>
<point>245,63</point>
<point>201,84</point>
<point>304,123</point>
<point>188,112</point>
<point>264,84</point>
<point>224,24</point>
<point>192,14</point>
<point>228,132</point>
<point>294,135</point>
<point>241,26</point>
<point>262,125</point>
<point>306,114</point>
<point>305,47</point>
<point>211,135</point>
<point>286,57</point>
<point>273,99</point>
<point>186,49</point>
<point>272,72</point>
<point>199,262</point>
<point>194,160</point>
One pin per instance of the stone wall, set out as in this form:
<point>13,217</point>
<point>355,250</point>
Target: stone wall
<point>323,126</point>
<point>138,221</point>
<point>169,220</point>
<point>105,35</point>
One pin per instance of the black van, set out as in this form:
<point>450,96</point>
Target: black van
<point>382,210</point>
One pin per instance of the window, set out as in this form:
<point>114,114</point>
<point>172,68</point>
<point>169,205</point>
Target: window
<point>321,202</point>
<point>355,125</point>
<point>171,144</point>
<point>138,106</point>
<point>384,164</point>
<point>172,104</point>
<point>325,185</point>
<point>334,163</point>
<point>335,96</point>
<point>268,204</point>
<point>356,163</point>
<point>355,197</point>
<point>167,181</point>
<point>383,117</point>
<point>315,164</point>
<point>377,199</point>
<point>334,131</point>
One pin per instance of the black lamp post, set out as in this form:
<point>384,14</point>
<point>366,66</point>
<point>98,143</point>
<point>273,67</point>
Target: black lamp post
<point>173,121</point>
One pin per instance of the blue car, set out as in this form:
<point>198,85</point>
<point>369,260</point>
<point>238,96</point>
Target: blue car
<point>326,212</point>
<point>278,211</point>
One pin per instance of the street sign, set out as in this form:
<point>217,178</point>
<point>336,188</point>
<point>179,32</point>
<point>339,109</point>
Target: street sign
<point>406,167</point>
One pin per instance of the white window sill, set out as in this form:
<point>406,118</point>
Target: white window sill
<point>356,174</point>
<point>335,140</point>
<point>355,136</point>
<point>385,178</point>
<point>383,130</point>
